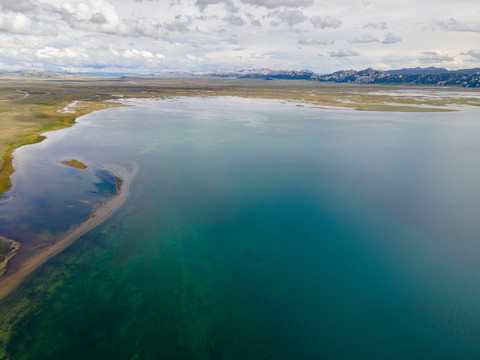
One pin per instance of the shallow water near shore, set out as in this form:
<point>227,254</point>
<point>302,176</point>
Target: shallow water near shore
<point>254,230</point>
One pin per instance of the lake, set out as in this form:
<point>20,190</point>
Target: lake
<point>254,229</point>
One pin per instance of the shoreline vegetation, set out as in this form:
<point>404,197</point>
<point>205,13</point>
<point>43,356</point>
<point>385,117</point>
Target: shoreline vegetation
<point>99,215</point>
<point>27,119</point>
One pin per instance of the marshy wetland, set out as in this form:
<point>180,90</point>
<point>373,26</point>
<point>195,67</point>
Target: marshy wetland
<point>238,219</point>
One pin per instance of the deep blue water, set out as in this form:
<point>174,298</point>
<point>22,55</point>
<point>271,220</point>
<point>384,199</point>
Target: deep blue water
<point>253,230</point>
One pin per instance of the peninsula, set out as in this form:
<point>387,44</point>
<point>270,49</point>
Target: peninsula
<point>8,282</point>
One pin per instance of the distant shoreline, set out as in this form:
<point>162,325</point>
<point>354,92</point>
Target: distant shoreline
<point>28,118</point>
<point>102,213</point>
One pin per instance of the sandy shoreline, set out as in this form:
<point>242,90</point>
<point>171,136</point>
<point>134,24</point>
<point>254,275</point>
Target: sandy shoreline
<point>102,213</point>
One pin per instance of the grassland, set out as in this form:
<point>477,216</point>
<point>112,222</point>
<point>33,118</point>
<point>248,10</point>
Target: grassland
<point>28,108</point>
<point>75,163</point>
<point>23,119</point>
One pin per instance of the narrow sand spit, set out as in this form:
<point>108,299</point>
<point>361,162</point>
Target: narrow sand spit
<point>102,213</point>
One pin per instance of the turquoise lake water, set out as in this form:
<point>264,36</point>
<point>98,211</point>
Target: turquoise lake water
<point>255,229</point>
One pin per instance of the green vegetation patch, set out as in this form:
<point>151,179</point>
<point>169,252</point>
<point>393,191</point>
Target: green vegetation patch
<point>8,249</point>
<point>25,118</point>
<point>4,247</point>
<point>75,163</point>
<point>118,183</point>
<point>398,108</point>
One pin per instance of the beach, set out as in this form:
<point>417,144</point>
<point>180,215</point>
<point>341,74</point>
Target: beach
<point>100,214</point>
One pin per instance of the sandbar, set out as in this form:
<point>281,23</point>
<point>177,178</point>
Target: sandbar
<point>100,214</point>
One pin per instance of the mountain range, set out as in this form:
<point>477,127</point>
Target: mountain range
<point>468,78</point>
<point>417,76</point>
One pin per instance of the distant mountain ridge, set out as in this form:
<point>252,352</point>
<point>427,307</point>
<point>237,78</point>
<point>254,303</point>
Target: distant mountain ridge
<point>418,70</point>
<point>417,76</point>
<point>468,78</point>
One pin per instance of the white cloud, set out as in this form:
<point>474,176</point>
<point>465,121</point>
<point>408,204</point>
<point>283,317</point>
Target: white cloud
<point>289,17</point>
<point>19,23</point>
<point>435,57</point>
<point>474,54</point>
<point>236,34</point>
<point>319,22</point>
<point>391,39</point>
<point>343,53</point>
<point>142,55</point>
<point>54,53</point>
<point>134,53</point>
<point>453,24</point>
<point>18,5</point>
<point>376,26</point>
<point>15,23</point>
<point>177,26</point>
<point>101,16</point>
<point>278,3</point>
<point>364,39</point>
<point>234,20</point>
<point>202,4</point>
<point>316,42</point>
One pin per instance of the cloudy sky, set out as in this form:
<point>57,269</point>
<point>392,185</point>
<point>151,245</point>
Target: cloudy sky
<point>132,36</point>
